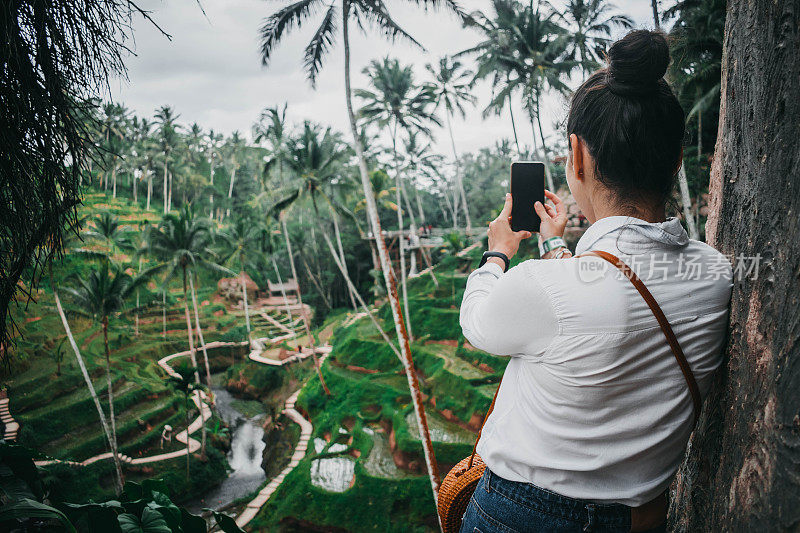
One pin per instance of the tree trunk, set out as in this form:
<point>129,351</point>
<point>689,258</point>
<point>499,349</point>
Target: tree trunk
<point>135,188</point>
<point>193,356</point>
<point>166,185</point>
<point>149,189</point>
<point>187,404</point>
<point>391,286</point>
<point>100,413</point>
<point>550,183</point>
<point>246,311</point>
<point>230,191</point>
<point>686,202</point>
<point>338,235</point>
<point>303,313</point>
<point>114,448</point>
<point>164,313</point>
<point>114,179</point>
<point>169,203</point>
<point>459,181</point>
<point>401,239</point>
<point>136,323</point>
<point>200,331</point>
<point>283,290</point>
<point>513,125</point>
<point>741,471</point>
<point>655,13</point>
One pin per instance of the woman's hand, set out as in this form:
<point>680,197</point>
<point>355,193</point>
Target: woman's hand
<point>554,217</point>
<point>501,237</point>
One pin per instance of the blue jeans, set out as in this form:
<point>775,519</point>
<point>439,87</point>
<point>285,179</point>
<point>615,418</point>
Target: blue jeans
<point>503,506</point>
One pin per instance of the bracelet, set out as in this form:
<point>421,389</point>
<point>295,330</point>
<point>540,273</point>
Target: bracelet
<point>501,255</point>
<point>551,244</point>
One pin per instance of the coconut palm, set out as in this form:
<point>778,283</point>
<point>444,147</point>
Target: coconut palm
<point>181,243</point>
<point>397,103</point>
<point>238,243</point>
<point>101,293</point>
<point>108,232</point>
<point>528,45</point>
<point>184,384</point>
<point>453,90</point>
<point>273,129</point>
<point>88,380</point>
<point>113,131</point>
<point>590,24</point>
<point>363,12</point>
<point>234,148</point>
<point>683,182</point>
<point>168,140</point>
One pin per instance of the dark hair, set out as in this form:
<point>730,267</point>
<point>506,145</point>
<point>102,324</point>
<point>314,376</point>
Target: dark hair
<point>630,120</point>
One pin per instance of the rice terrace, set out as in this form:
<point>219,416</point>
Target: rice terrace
<point>278,266</point>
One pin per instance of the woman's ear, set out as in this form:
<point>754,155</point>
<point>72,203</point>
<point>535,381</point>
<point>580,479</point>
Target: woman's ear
<point>577,157</point>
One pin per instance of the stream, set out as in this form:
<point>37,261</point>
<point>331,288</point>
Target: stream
<point>244,458</point>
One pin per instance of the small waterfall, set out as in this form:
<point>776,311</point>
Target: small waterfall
<point>244,458</point>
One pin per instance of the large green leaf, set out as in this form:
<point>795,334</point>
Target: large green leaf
<point>150,522</point>
<point>27,508</point>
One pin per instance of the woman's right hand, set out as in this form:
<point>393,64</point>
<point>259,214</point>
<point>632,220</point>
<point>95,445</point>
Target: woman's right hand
<point>554,217</point>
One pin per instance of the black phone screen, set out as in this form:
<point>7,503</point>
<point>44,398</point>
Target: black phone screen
<point>527,187</point>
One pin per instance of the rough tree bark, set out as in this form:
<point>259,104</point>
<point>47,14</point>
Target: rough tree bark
<point>741,471</point>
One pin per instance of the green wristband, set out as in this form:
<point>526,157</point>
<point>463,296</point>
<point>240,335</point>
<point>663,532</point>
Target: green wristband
<point>551,244</point>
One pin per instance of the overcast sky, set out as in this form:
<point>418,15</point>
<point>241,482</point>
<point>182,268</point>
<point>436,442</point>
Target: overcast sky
<point>211,72</point>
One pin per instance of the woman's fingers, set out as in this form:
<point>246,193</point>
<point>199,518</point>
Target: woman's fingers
<point>506,211</point>
<point>522,235</point>
<point>551,210</point>
<point>559,205</point>
<point>541,210</point>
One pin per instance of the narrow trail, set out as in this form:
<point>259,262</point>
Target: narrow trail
<point>306,429</point>
<point>258,346</point>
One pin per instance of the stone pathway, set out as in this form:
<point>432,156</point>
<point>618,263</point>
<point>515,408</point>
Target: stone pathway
<point>306,428</point>
<point>10,426</point>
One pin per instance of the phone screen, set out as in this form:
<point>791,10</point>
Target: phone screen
<point>527,187</point>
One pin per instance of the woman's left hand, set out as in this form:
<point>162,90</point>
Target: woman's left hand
<point>501,237</point>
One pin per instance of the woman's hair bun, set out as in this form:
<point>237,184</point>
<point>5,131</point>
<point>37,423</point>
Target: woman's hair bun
<point>637,62</point>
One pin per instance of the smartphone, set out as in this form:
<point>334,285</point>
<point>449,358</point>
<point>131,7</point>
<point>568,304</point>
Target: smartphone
<point>527,187</point>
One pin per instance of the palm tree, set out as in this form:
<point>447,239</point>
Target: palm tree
<point>112,129</point>
<point>88,380</point>
<point>238,239</point>
<point>528,45</point>
<point>590,27</point>
<point>183,384</point>
<point>234,146</point>
<point>100,294</point>
<point>683,182</point>
<point>453,89</point>
<point>168,141</point>
<point>214,154</point>
<point>272,128</point>
<point>396,102</point>
<point>363,12</point>
<point>181,244</point>
<point>109,232</point>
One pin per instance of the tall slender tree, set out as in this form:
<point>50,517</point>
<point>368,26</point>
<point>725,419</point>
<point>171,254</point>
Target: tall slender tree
<point>168,141</point>
<point>338,15</point>
<point>452,84</point>
<point>590,24</point>
<point>99,294</point>
<point>397,103</point>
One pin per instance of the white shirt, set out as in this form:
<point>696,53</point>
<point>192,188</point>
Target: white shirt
<point>593,404</point>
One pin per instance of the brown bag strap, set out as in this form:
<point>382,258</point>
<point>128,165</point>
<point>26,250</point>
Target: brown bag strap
<point>672,340</point>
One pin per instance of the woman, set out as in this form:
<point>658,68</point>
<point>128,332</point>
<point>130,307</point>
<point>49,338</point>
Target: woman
<point>594,413</point>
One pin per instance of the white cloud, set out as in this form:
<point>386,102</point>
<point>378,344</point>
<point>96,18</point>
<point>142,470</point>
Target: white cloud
<point>211,70</point>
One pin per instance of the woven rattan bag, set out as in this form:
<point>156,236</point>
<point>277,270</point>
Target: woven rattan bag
<point>459,484</point>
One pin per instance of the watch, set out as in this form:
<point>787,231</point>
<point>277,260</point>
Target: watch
<point>550,244</point>
<point>501,255</point>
